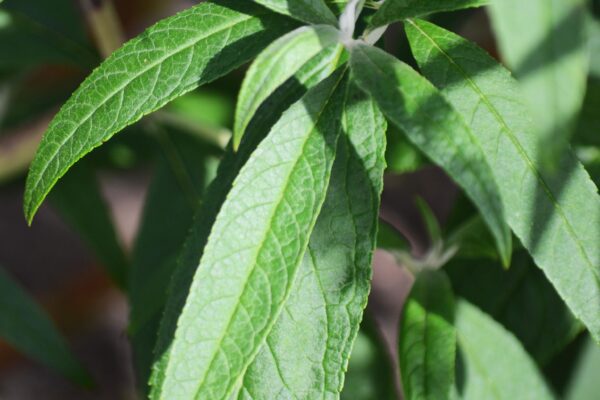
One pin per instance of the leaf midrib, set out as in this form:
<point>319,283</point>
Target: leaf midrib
<point>258,252</point>
<point>120,88</point>
<point>519,148</point>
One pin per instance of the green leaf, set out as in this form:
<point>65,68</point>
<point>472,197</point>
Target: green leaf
<point>309,11</point>
<point>24,325</point>
<point>80,202</point>
<point>555,215</point>
<point>307,351</point>
<point>172,200</point>
<point>275,65</point>
<point>388,238</point>
<point>168,60</point>
<point>585,384</point>
<point>545,45</point>
<point>310,75</point>
<point>427,344</point>
<point>491,362</point>
<point>520,298</point>
<point>255,248</point>
<point>396,10</point>
<point>409,101</point>
<point>370,370</point>
<point>401,155</point>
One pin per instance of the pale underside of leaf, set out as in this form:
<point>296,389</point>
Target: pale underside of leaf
<point>396,10</point>
<point>171,58</point>
<point>555,215</point>
<point>433,125</point>
<point>255,248</point>
<point>307,352</point>
<point>427,343</point>
<point>492,363</point>
<point>275,65</point>
<point>309,75</point>
<point>309,11</point>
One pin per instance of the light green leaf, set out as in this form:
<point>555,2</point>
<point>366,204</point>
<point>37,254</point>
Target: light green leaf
<point>555,215</point>
<point>427,344</point>
<point>584,384</point>
<point>409,101</point>
<point>171,58</point>
<point>396,10</point>
<point>275,65</point>
<point>544,43</point>
<point>80,202</point>
<point>307,351</point>
<point>309,11</point>
<point>172,199</point>
<point>310,75</point>
<point>520,298</point>
<point>401,155</point>
<point>24,325</point>
<point>370,370</point>
<point>255,248</point>
<point>491,363</point>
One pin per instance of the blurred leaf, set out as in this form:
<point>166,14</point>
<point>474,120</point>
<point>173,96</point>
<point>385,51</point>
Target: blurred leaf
<point>588,128</point>
<point>25,44</point>
<point>179,54</point>
<point>409,100</point>
<point>427,344</point>
<point>544,43</point>
<point>555,215</point>
<point>172,199</point>
<point>491,362</point>
<point>80,202</point>
<point>308,348</point>
<point>594,45</point>
<point>309,11</point>
<point>401,155</point>
<point>473,240</point>
<point>275,65</point>
<point>388,238</point>
<point>396,10</point>
<point>311,74</point>
<point>217,108</point>
<point>521,299</point>
<point>24,325</point>
<point>370,372</point>
<point>585,384</point>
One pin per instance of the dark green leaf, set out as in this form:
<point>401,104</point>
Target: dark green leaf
<point>25,326</point>
<point>80,202</point>
<point>427,344</point>
<point>555,215</point>
<point>169,59</point>
<point>309,11</point>
<point>409,101</point>
<point>396,10</point>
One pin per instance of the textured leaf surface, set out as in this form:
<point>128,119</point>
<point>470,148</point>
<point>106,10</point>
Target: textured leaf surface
<point>396,10</point>
<point>171,58</point>
<point>427,344</point>
<point>307,352</point>
<point>410,101</point>
<point>172,199</point>
<point>492,363</point>
<point>555,215</point>
<point>544,43</point>
<point>309,11</point>
<point>255,247</point>
<point>80,202</point>
<point>310,75</point>
<point>520,298</point>
<point>25,326</point>
<point>275,65</point>
<point>370,371</point>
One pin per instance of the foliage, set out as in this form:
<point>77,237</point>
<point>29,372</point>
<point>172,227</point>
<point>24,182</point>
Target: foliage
<point>269,255</point>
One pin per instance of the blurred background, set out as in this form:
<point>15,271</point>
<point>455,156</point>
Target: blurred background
<point>74,259</point>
